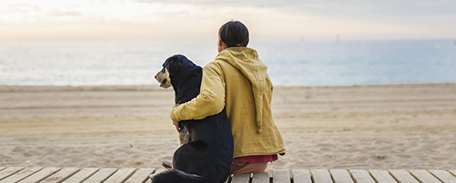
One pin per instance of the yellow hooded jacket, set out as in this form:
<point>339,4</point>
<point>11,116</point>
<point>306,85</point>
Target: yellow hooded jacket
<point>237,79</point>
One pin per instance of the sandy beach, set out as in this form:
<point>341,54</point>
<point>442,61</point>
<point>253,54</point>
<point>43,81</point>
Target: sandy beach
<point>411,126</point>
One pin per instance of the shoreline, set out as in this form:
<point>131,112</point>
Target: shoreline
<point>153,87</point>
<point>391,126</point>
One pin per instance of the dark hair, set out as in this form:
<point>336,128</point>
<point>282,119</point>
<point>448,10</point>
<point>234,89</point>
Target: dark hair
<point>233,33</point>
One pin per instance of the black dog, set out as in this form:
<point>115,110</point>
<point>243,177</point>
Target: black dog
<point>207,153</point>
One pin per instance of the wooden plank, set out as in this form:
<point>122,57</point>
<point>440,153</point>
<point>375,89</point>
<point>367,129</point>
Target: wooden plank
<point>42,174</point>
<point>281,176</point>
<point>157,171</point>
<point>228,180</point>
<point>61,175</point>
<point>140,175</point>
<point>9,171</point>
<point>262,177</point>
<point>101,175</point>
<point>148,181</point>
<point>403,176</point>
<point>424,176</point>
<point>341,176</point>
<point>321,176</point>
<point>129,175</point>
<point>382,176</point>
<point>444,175</point>
<point>301,176</point>
<point>453,172</point>
<point>81,175</point>
<point>241,178</point>
<point>21,174</point>
<point>120,175</point>
<point>362,176</point>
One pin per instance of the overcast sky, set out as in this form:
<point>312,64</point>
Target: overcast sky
<point>166,20</point>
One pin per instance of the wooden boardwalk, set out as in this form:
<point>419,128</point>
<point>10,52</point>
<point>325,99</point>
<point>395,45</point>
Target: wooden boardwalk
<point>132,175</point>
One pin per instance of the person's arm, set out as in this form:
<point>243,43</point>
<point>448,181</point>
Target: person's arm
<point>210,101</point>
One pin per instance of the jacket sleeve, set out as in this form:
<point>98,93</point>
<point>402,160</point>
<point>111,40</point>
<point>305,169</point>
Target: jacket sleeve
<point>210,101</point>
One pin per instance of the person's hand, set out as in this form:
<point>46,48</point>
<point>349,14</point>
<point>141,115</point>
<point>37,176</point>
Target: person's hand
<point>176,124</point>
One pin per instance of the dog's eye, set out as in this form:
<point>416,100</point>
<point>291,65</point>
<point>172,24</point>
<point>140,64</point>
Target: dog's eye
<point>163,70</point>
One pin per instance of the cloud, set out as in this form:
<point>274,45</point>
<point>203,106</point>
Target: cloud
<point>59,13</point>
<point>200,19</point>
<point>322,7</point>
<point>22,8</point>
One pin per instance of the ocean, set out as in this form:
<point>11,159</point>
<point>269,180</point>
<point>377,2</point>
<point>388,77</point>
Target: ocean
<point>290,63</point>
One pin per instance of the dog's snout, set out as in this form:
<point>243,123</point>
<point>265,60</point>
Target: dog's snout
<point>163,78</point>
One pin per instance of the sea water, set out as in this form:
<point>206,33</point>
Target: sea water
<point>289,62</point>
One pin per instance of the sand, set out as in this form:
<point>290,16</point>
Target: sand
<point>410,126</point>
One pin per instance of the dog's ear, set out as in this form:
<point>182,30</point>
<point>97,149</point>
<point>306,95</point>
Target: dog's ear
<point>172,64</point>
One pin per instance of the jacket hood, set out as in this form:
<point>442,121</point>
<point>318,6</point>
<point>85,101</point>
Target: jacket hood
<point>246,60</point>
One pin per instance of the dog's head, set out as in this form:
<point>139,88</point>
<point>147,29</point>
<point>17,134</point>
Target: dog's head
<point>170,67</point>
<point>163,78</point>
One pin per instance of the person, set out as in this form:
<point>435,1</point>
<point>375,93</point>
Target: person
<point>237,80</point>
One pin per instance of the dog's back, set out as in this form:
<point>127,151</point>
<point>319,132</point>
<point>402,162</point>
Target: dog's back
<point>207,156</point>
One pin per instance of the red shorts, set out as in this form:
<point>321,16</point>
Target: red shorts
<point>255,159</point>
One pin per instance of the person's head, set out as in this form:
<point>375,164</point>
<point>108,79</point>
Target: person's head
<point>233,34</point>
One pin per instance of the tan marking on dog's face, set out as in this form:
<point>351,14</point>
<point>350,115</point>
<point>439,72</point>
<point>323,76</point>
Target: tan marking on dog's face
<point>163,78</point>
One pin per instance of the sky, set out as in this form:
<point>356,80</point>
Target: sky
<point>185,20</point>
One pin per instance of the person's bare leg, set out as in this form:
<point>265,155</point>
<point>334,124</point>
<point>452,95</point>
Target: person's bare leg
<point>249,168</point>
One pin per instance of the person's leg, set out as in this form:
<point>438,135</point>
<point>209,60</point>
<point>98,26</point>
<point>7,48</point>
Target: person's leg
<point>249,168</point>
